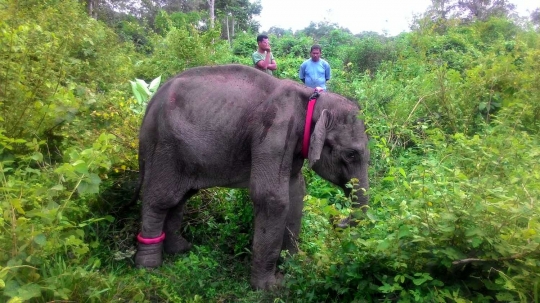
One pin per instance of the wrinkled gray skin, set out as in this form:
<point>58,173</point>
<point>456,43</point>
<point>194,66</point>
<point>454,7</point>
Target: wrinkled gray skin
<point>234,126</point>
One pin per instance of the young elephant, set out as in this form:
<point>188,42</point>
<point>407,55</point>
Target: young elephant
<point>234,126</point>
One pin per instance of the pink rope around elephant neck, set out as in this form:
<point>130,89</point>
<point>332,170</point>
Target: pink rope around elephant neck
<point>151,240</point>
<point>307,127</point>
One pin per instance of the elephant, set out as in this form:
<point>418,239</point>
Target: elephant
<point>234,126</point>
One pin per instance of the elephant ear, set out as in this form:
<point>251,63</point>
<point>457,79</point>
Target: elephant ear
<point>318,137</point>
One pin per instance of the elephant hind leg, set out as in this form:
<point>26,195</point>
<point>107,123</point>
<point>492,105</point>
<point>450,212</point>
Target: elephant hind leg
<point>174,242</point>
<point>163,193</point>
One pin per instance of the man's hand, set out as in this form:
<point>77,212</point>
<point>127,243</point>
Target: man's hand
<point>266,46</point>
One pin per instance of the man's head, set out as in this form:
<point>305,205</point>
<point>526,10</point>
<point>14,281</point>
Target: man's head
<point>260,38</point>
<point>262,42</point>
<point>315,52</point>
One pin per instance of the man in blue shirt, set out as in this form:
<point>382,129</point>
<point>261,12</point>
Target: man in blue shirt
<point>315,72</point>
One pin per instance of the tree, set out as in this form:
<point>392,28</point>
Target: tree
<point>237,15</point>
<point>321,29</point>
<point>171,6</point>
<point>484,9</point>
<point>469,10</point>
<point>91,8</point>
<point>535,17</point>
<point>440,9</point>
<point>278,31</point>
<point>211,4</point>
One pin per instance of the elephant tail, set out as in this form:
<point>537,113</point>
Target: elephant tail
<point>136,194</point>
<point>139,185</point>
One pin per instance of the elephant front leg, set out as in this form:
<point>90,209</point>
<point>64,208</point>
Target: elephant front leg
<point>270,220</point>
<point>297,191</point>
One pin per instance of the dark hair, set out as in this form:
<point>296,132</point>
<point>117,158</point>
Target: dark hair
<point>261,38</point>
<point>316,46</point>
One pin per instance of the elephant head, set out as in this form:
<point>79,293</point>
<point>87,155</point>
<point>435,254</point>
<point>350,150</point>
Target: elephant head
<point>339,152</point>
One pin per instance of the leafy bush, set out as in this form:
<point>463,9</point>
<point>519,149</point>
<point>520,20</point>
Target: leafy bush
<point>165,22</point>
<point>455,223</point>
<point>51,169</point>
<point>452,114</point>
<point>182,48</point>
<point>244,44</point>
<point>130,30</point>
<point>369,53</point>
<point>336,44</point>
<point>452,215</point>
<point>291,46</point>
<point>41,213</point>
<point>49,74</point>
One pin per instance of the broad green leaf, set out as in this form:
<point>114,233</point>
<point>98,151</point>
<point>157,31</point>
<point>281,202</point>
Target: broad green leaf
<point>419,281</point>
<point>475,242</point>
<point>154,85</point>
<point>11,289</point>
<point>383,245</point>
<point>89,185</point>
<point>143,87</point>
<point>17,204</point>
<point>506,297</point>
<point>81,167</point>
<point>77,162</point>
<point>404,231</point>
<point>386,288</point>
<point>94,179</point>
<point>482,105</point>
<point>58,187</point>
<point>29,291</point>
<point>452,253</point>
<point>40,239</point>
<point>136,93</point>
<point>475,231</point>
<point>37,156</point>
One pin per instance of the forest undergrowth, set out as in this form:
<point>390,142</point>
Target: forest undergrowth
<point>452,109</point>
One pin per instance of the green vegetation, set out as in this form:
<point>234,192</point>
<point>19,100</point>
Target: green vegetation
<point>453,112</point>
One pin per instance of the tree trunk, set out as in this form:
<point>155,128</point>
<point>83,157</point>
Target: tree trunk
<point>232,26</point>
<point>211,9</point>
<point>228,36</point>
<point>91,6</point>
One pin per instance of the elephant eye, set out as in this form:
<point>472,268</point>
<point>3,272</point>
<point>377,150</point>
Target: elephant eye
<point>351,154</point>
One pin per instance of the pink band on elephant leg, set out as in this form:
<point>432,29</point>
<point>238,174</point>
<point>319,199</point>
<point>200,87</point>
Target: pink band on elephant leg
<point>151,240</point>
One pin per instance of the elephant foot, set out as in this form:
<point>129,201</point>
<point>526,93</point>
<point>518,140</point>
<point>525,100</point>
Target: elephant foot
<point>271,282</point>
<point>176,244</point>
<point>149,255</point>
